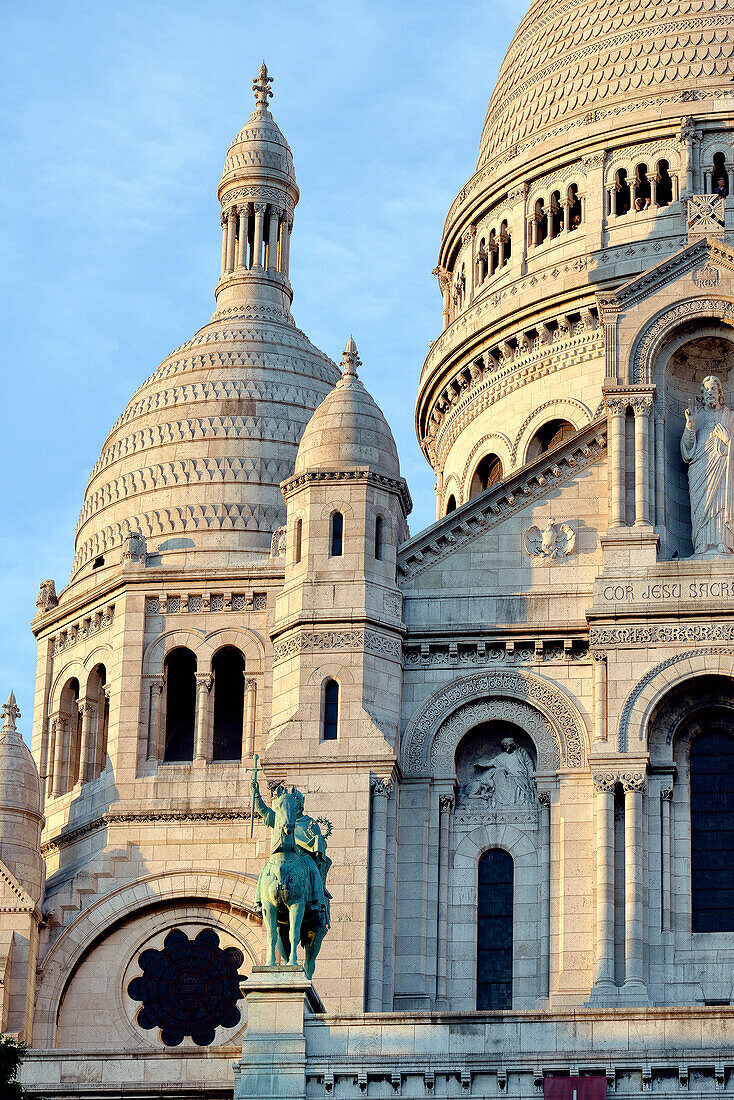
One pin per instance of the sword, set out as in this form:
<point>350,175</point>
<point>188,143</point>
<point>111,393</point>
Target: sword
<point>252,795</point>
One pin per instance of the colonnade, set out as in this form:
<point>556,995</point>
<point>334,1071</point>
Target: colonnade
<point>534,234</point>
<point>77,744</point>
<point>203,718</point>
<point>633,787</point>
<point>641,403</point>
<point>256,236</point>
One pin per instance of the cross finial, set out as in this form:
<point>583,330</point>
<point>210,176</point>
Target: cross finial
<point>11,711</point>
<point>261,86</point>
<point>350,359</point>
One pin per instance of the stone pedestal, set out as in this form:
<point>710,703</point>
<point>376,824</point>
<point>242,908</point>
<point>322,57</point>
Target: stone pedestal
<point>273,1063</point>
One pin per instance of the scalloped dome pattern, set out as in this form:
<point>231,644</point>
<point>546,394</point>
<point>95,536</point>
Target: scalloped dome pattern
<point>259,144</point>
<point>569,58</point>
<point>204,443</point>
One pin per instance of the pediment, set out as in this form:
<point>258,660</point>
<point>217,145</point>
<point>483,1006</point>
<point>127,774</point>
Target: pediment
<point>13,898</point>
<point>707,260</point>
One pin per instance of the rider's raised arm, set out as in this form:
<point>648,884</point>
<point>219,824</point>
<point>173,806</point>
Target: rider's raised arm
<point>261,805</point>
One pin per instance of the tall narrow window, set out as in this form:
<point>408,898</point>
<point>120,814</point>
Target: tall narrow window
<point>505,242</point>
<point>451,504</point>
<point>663,185</point>
<point>337,534</point>
<point>487,473</point>
<point>622,193</point>
<point>331,710</point>
<point>228,667</point>
<point>720,178</point>
<point>180,669</point>
<point>574,207</point>
<point>297,536</point>
<point>643,188</point>
<point>378,538</point>
<point>712,833</point>
<point>494,930</point>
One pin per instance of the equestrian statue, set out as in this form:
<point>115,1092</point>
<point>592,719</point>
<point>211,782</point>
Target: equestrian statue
<point>291,890</point>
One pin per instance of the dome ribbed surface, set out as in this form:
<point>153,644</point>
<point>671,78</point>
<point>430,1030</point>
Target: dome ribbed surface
<point>348,430</point>
<point>570,58</point>
<point>203,445</point>
<point>259,146</point>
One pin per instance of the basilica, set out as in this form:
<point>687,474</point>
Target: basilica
<point>503,746</point>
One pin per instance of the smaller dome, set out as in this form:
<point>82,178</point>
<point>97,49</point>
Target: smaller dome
<point>348,429</point>
<point>260,145</point>
<point>20,805</point>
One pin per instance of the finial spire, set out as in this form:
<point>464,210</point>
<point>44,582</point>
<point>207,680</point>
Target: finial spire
<point>11,711</point>
<point>261,87</point>
<point>350,360</point>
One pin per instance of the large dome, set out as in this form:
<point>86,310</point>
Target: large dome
<point>569,60</point>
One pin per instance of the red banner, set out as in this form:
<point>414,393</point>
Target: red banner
<point>575,1088</point>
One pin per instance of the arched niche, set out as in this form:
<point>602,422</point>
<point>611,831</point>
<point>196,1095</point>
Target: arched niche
<point>692,354</point>
<point>495,764</point>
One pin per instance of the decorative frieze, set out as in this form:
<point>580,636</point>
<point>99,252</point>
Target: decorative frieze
<point>83,628</point>
<point>206,601</point>
<point>662,634</point>
<point>495,652</point>
<point>367,640</point>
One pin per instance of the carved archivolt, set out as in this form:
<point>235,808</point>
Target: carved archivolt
<point>500,445</point>
<point>565,407</point>
<point>555,724</point>
<point>651,341</point>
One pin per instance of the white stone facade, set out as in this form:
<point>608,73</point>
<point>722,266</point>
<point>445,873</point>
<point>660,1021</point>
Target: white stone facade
<point>530,676</point>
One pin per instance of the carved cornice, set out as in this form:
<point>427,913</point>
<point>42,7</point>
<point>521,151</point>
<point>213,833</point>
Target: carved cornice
<point>663,634</point>
<point>532,483</point>
<point>83,628</point>
<point>364,474</point>
<point>319,641</point>
<point>195,602</point>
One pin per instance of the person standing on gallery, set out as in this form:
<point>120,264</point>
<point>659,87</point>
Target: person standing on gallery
<point>706,447</point>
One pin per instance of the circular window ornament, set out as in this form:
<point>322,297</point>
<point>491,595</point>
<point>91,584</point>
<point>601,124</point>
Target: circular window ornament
<point>188,987</point>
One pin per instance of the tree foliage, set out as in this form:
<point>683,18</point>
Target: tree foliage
<point>12,1052</point>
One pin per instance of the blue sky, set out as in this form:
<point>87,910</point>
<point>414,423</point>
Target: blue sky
<point>115,118</point>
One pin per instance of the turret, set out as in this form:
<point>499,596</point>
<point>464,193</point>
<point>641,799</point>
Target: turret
<point>340,610</point>
<point>21,875</point>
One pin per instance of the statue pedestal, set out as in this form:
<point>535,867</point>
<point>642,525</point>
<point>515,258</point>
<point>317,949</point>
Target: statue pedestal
<point>273,1063</point>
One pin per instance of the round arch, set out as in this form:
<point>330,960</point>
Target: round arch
<point>497,443</point>
<point>560,727</point>
<point>658,681</point>
<point>662,329</point>
<point>237,891</point>
<point>204,648</point>
<point>562,408</point>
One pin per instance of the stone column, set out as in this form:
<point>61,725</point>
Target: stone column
<point>88,712</point>
<point>634,917</point>
<point>224,243</point>
<point>257,249</point>
<point>616,409</point>
<point>243,211</point>
<point>231,236</point>
<point>600,694</point>
<point>285,253</point>
<point>544,845</point>
<point>659,471</point>
<point>62,729</point>
<point>248,733</point>
<point>381,790</point>
<point>566,216</point>
<point>202,747</point>
<point>666,800</point>
<point>273,239</point>
<point>154,719</point>
<point>641,407</point>
<point>445,809</point>
<point>604,812</point>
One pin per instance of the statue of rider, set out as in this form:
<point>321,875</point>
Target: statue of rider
<point>311,843</point>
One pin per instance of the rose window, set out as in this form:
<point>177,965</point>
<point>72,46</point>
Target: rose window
<point>188,988</point>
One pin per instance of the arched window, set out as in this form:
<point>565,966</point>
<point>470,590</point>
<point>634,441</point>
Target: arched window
<point>228,667</point>
<point>337,534</point>
<point>623,197</point>
<point>94,749</point>
<point>643,189</point>
<point>180,672</point>
<point>505,243</point>
<point>493,252</point>
<point>548,437</point>
<point>297,537</point>
<point>482,258</point>
<point>451,504</point>
<point>379,523</point>
<point>331,711</point>
<point>541,222</point>
<point>574,207</point>
<point>720,177</point>
<point>68,739</point>
<point>712,833</point>
<point>663,185</point>
<point>556,214</point>
<point>494,930</point>
<point>487,473</point>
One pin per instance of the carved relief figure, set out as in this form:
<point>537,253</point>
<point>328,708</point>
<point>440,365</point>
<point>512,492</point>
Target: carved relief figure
<point>505,778</point>
<point>552,542</point>
<point>706,447</point>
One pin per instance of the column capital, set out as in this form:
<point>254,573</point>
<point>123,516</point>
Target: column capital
<point>605,782</point>
<point>381,785</point>
<point>598,655</point>
<point>544,798</point>
<point>232,213</point>
<point>87,708</point>
<point>633,782</point>
<point>250,683</point>
<point>260,207</point>
<point>446,803</point>
<point>666,793</point>
<point>616,406</point>
<point>642,404</point>
<point>204,680</point>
